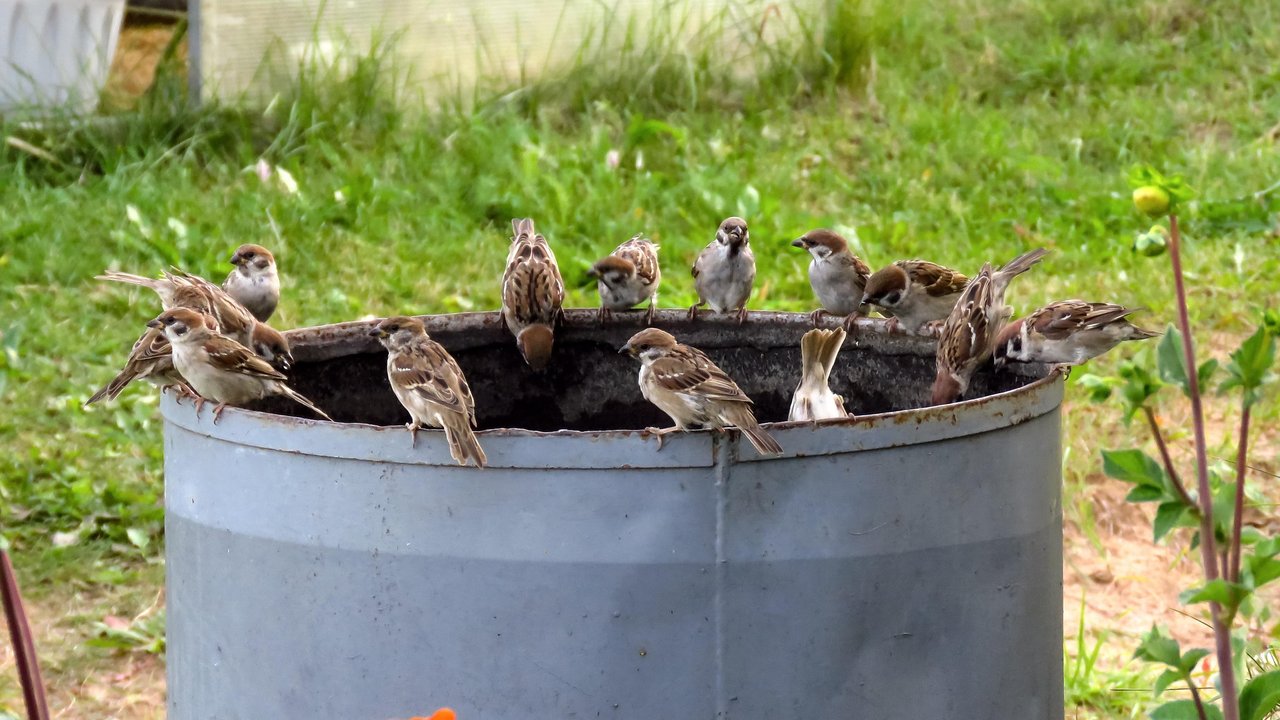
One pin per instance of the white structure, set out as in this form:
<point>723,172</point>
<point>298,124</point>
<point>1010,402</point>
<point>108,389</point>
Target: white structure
<point>56,53</point>
<point>252,46</point>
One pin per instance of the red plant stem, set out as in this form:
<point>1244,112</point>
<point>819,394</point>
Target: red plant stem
<point>1208,555</point>
<point>1242,454</point>
<point>24,649</point>
<point>1164,456</point>
<point>1195,696</point>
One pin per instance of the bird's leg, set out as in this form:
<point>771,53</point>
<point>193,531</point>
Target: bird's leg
<point>816,316</point>
<point>851,321</point>
<point>660,433</point>
<point>604,315</point>
<point>199,403</point>
<point>693,309</point>
<point>892,324</point>
<point>653,306</point>
<point>413,433</point>
<point>742,314</point>
<point>217,411</point>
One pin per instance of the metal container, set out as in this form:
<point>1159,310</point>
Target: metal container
<point>902,565</point>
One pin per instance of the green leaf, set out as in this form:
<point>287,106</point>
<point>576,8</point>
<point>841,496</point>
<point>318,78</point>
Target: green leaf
<point>1261,570</point>
<point>1158,647</point>
<point>1167,678</point>
<point>1184,710</point>
<point>1190,658</point>
<point>1251,364</point>
<point>1206,371</point>
<point>1224,593</point>
<point>1260,696</point>
<point>1133,466</point>
<point>1168,517</point>
<point>1144,493</point>
<point>1098,387</point>
<point>1170,360</point>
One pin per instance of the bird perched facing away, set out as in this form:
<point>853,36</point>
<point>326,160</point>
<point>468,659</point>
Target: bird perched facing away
<point>914,292</point>
<point>532,293</point>
<point>685,384</point>
<point>151,359</point>
<point>271,345</point>
<point>838,277</point>
<point>628,277</point>
<point>254,283</point>
<point>725,270</point>
<point>180,289</point>
<point>1068,332</point>
<point>813,399</point>
<point>969,334</point>
<point>219,368</point>
<point>430,385</point>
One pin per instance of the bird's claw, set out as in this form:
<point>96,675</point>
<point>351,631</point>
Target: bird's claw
<point>851,322</point>
<point>413,434</point>
<point>658,433</point>
<point>604,315</point>
<point>217,411</point>
<point>648,316</point>
<point>815,317</point>
<point>693,312</point>
<point>742,314</point>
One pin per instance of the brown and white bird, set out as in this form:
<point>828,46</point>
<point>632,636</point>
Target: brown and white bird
<point>430,385</point>
<point>685,384</point>
<point>914,293</point>
<point>628,277</point>
<point>271,345</point>
<point>725,271</point>
<point>1068,332</point>
<point>813,399</point>
<point>969,334</point>
<point>838,277</point>
<point>532,293</point>
<point>179,289</point>
<point>219,368</point>
<point>151,359</point>
<point>255,283</point>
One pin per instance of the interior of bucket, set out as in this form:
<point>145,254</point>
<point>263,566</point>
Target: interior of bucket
<point>590,386</point>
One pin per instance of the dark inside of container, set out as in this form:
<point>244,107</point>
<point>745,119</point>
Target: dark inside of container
<point>590,386</point>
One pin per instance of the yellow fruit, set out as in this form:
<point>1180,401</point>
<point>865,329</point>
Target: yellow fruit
<point>1151,200</point>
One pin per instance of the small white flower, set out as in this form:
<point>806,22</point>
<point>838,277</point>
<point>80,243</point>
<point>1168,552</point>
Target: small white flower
<point>286,181</point>
<point>178,227</point>
<point>263,168</point>
<point>612,159</point>
<point>339,198</point>
<point>639,159</point>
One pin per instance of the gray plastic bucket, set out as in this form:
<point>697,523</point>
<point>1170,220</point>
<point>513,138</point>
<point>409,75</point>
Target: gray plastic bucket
<point>905,565</point>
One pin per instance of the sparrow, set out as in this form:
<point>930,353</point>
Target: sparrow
<point>180,289</point>
<point>813,399</point>
<point>685,384</point>
<point>1069,332</point>
<point>969,333</point>
<point>532,293</point>
<point>219,368</point>
<point>914,293</point>
<point>430,385</point>
<point>151,359</point>
<point>254,283</point>
<point>725,270</point>
<point>271,345</point>
<point>628,277</point>
<point>837,275</point>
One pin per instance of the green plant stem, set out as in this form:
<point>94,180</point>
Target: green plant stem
<point>1164,457</point>
<point>1208,554</point>
<point>1242,453</point>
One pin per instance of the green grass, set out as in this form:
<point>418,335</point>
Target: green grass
<point>960,132</point>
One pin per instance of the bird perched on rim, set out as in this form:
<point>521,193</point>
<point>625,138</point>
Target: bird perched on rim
<point>1068,332</point>
<point>430,385</point>
<point>969,333</point>
<point>914,293</point>
<point>180,289</point>
<point>813,399</point>
<point>532,293</point>
<point>628,277</point>
<point>837,276</point>
<point>219,368</point>
<point>725,270</point>
<point>684,383</point>
<point>151,359</point>
<point>254,283</point>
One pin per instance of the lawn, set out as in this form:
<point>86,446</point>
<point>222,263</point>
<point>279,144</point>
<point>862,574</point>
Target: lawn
<point>959,132</point>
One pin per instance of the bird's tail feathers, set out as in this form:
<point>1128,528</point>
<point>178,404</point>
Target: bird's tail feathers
<point>818,351</point>
<point>463,444</point>
<point>303,401</point>
<point>1022,263</point>
<point>129,279</point>
<point>740,415</point>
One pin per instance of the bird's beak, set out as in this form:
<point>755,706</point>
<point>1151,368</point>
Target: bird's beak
<point>797,243</point>
<point>236,259</point>
<point>155,323</point>
<point>625,349</point>
<point>592,272</point>
<point>378,333</point>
